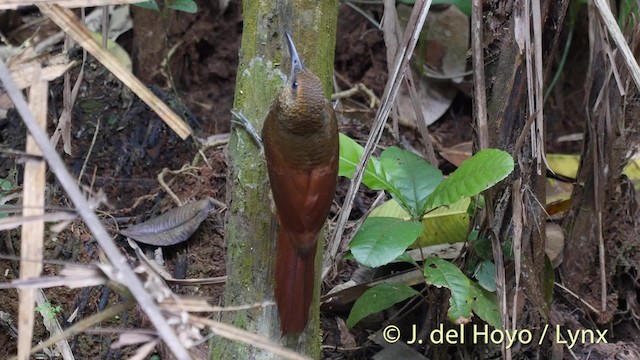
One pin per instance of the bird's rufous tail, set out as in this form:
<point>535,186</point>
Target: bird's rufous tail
<point>294,283</point>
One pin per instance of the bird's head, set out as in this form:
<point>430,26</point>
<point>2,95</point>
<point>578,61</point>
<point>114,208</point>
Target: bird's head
<point>302,94</point>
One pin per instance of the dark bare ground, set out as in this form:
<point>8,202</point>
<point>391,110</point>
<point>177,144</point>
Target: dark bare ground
<point>133,146</point>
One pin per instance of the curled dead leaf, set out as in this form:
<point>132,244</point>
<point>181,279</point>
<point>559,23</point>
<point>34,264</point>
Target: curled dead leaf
<point>172,227</point>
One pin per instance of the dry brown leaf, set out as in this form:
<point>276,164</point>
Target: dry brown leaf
<point>346,338</point>
<point>458,153</point>
<point>172,227</point>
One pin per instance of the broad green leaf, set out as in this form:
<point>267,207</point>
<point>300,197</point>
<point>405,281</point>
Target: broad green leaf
<point>381,240</point>
<point>378,298</point>
<point>390,208</point>
<point>412,178</point>
<point>116,50</point>
<point>476,174</point>
<point>350,153</point>
<point>188,6</point>
<point>486,306</point>
<point>486,275</point>
<point>445,225</point>
<point>405,257</point>
<point>444,273</point>
<point>484,249</point>
<point>463,5</point>
<point>149,4</point>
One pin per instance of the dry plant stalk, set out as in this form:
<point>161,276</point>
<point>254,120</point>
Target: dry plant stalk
<point>70,24</point>
<point>13,4</point>
<point>31,243</point>
<point>24,73</point>
<point>412,32</point>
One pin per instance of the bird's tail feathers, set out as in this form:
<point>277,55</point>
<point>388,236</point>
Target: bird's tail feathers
<point>294,283</point>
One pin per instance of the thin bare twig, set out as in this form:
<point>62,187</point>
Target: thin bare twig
<point>479,87</point>
<point>412,32</point>
<point>591,307</point>
<point>69,95</point>
<point>611,25</point>
<point>82,325</point>
<point>13,4</point>
<point>517,206</point>
<point>392,37</point>
<point>598,158</point>
<point>93,142</point>
<point>234,333</point>
<point>53,326</point>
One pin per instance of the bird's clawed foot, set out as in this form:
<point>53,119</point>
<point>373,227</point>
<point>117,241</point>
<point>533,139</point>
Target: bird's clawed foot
<point>246,124</point>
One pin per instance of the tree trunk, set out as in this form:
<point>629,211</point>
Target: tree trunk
<point>251,240</point>
<point>600,223</point>
<point>515,203</point>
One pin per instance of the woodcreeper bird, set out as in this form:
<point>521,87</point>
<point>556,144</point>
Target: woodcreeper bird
<point>300,137</point>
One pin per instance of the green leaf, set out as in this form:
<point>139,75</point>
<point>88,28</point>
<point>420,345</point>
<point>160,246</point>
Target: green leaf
<point>507,249</point>
<point>628,10</point>
<point>350,153</point>
<point>390,208</point>
<point>188,6</point>
<point>5,185</point>
<point>486,306</point>
<point>378,298</point>
<point>476,174</point>
<point>412,178</point>
<point>482,247</point>
<point>381,240</point>
<point>463,5</point>
<point>486,275</point>
<point>112,120</point>
<point>115,49</point>
<point>446,225</point>
<point>405,257</point>
<point>149,4</point>
<point>444,273</point>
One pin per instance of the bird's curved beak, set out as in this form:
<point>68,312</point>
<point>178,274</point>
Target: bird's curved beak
<point>296,63</point>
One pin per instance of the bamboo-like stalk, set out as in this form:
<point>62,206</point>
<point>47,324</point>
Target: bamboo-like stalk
<point>13,4</point>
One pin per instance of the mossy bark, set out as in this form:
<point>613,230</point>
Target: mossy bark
<point>251,242</point>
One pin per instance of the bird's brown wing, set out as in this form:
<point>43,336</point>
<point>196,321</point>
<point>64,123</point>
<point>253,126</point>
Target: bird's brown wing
<point>302,195</point>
